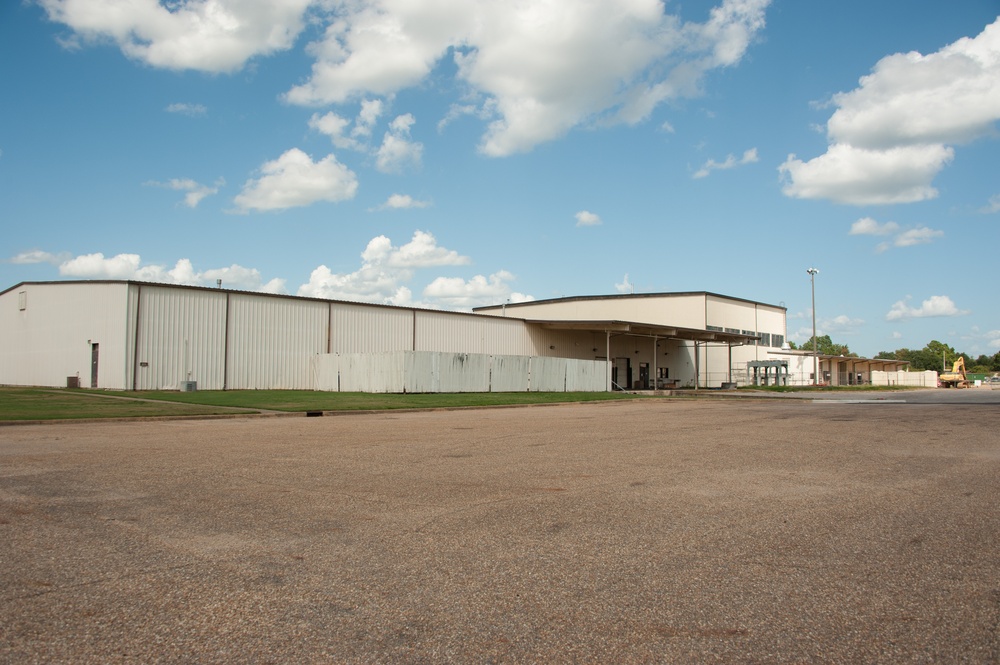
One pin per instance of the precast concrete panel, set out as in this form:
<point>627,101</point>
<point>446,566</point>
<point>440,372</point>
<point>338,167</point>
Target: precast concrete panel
<point>463,372</point>
<point>586,376</point>
<point>510,374</point>
<point>548,374</point>
<point>368,329</point>
<point>368,372</point>
<point>272,341</point>
<point>52,331</point>
<point>180,336</point>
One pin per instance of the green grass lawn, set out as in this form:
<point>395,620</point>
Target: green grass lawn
<point>56,403</point>
<point>311,400</point>
<point>59,404</point>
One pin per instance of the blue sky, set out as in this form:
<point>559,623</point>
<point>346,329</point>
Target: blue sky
<point>456,153</point>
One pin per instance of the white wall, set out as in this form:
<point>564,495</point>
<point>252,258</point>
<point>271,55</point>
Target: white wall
<point>926,379</point>
<point>181,337</point>
<point>272,341</point>
<point>433,372</point>
<point>51,338</point>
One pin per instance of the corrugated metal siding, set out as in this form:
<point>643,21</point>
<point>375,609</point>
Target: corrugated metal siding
<point>272,341</point>
<point>368,329</point>
<point>433,372</point>
<point>461,333</point>
<point>50,339</point>
<point>686,310</point>
<point>510,374</point>
<point>181,338</point>
<point>586,376</point>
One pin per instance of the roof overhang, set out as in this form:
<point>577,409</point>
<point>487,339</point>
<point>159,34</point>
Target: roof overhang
<point>645,330</point>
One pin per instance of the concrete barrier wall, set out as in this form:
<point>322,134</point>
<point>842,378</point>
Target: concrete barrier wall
<point>926,379</point>
<point>433,372</point>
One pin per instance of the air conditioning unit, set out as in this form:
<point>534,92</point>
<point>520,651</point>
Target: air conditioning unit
<point>189,386</point>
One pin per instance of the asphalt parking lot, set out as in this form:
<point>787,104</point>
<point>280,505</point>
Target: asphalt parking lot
<point>687,531</point>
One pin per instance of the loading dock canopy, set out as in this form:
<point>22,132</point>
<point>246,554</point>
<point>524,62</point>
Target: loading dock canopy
<point>647,330</point>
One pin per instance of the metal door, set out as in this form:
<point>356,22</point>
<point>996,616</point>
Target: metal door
<point>93,365</point>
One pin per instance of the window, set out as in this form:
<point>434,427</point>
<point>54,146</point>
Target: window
<point>714,328</point>
<point>777,340</point>
<point>733,330</point>
<point>765,339</point>
<point>22,300</point>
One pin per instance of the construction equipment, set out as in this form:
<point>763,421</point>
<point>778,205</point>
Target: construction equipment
<point>956,378</point>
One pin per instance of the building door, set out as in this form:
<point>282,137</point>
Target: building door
<point>643,376</point>
<point>621,373</point>
<point>93,365</point>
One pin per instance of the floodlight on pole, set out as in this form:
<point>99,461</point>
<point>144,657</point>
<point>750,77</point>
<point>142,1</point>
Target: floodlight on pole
<point>812,280</point>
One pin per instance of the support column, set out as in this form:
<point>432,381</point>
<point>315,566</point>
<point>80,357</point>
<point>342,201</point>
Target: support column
<point>607,353</point>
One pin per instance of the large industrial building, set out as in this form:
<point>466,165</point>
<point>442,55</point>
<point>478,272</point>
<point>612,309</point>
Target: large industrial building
<point>127,335</point>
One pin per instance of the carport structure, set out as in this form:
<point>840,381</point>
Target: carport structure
<point>654,333</point>
<point>851,371</point>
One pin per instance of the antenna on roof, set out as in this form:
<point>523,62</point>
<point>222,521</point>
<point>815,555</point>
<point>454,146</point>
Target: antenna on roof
<point>218,283</point>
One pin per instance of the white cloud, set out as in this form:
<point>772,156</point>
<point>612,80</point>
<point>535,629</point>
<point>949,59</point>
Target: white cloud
<point>842,324</point>
<point>187,109</point>
<point>731,162</point>
<point>421,252</point>
<point>194,191</point>
<point>538,68</point>
<point>371,111</point>
<point>205,35</point>
<point>384,271</point>
<point>456,111</point>
<point>919,235</point>
<point>400,202</point>
<point>933,306</point>
<point>846,174</point>
<point>129,266</point>
<point>456,292</point>
<point>891,136</point>
<point>626,286</point>
<point>38,256</point>
<point>587,218</point>
<point>335,126</point>
<point>397,150</point>
<point>866,226</point>
<point>295,180</point>
<point>993,205</point>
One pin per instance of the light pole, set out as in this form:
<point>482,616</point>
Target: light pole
<point>812,280</point>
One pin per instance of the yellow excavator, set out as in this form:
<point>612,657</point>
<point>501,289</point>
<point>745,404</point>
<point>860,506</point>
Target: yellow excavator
<point>956,378</point>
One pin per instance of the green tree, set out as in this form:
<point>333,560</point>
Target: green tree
<point>935,356</point>
<point>825,346</point>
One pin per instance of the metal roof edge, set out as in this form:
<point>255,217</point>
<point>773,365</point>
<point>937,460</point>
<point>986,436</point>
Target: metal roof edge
<point>621,296</point>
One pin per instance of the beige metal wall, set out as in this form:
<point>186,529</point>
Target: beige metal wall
<point>51,338</point>
<point>684,310</point>
<point>737,315</point>
<point>181,336</point>
<point>468,333</point>
<point>356,328</point>
<point>272,341</point>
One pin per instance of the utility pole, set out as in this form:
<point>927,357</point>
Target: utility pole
<point>812,279</point>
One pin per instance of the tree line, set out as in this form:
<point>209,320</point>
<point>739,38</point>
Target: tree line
<point>935,356</point>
